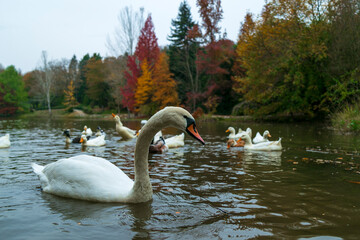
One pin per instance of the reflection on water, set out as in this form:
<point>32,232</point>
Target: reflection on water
<point>306,191</point>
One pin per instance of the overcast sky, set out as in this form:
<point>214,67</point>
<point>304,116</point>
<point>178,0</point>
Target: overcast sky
<point>67,27</point>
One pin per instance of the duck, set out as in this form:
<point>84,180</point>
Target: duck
<point>159,146</point>
<point>87,131</point>
<point>232,132</point>
<point>94,142</point>
<point>264,138</point>
<point>248,131</point>
<point>99,132</point>
<point>175,141</point>
<point>263,146</point>
<point>233,143</point>
<point>124,132</point>
<point>74,140</point>
<point>96,179</point>
<point>5,141</point>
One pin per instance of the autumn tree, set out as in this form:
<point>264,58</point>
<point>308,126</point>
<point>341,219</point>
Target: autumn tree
<point>69,99</point>
<point>144,89</point>
<point>211,15</point>
<point>131,73</point>
<point>165,93</point>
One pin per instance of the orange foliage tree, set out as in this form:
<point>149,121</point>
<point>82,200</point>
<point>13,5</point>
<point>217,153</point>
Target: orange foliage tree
<point>144,88</point>
<point>165,93</point>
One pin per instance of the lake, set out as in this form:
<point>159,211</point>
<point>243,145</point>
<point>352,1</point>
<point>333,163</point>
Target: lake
<point>309,190</point>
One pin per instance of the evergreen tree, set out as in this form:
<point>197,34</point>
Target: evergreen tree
<point>182,52</point>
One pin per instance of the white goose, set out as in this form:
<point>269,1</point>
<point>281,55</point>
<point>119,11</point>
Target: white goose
<point>264,146</point>
<point>232,132</point>
<point>5,141</point>
<point>248,131</point>
<point>96,179</point>
<point>94,142</point>
<point>125,133</point>
<point>175,141</point>
<point>264,138</point>
<point>87,131</point>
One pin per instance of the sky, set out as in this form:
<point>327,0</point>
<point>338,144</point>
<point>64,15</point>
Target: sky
<point>63,28</point>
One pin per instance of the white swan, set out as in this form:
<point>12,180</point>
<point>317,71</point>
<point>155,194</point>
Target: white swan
<point>264,138</point>
<point>248,131</point>
<point>263,146</point>
<point>87,131</point>
<point>175,141</point>
<point>125,133</point>
<point>5,141</point>
<point>94,142</point>
<point>96,179</point>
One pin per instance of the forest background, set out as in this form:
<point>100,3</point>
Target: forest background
<point>299,58</point>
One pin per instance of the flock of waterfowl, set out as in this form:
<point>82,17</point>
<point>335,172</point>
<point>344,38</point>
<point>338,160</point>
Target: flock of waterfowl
<point>258,143</point>
<point>97,179</point>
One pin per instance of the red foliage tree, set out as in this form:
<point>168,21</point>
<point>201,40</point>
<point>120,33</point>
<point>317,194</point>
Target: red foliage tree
<point>211,14</point>
<point>128,91</point>
<point>147,46</point>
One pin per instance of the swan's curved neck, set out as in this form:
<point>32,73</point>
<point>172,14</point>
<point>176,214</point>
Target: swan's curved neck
<point>118,122</point>
<point>142,185</point>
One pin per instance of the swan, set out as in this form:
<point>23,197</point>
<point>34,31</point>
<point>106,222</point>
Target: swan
<point>263,146</point>
<point>5,141</point>
<point>96,179</point>
<point>248,131</point>
<point>232,132</point>
<point>87,131</point>
<point>125,133</point>
<point>175,141</point>
<point>68,138</point>
<point>94,142</point>
<point>264,138</point>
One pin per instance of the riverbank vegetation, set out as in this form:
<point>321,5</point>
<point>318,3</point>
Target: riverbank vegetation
<point>297,58</point>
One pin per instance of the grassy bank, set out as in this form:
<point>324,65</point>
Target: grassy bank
<point>347,120</point>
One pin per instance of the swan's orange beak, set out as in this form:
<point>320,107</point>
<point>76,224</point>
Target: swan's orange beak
<point>113,115</point>
<point>269,135</point>
<point>227,130</point>
<point>193,132</point>
<point>238,140</point>
<point>81,140</point>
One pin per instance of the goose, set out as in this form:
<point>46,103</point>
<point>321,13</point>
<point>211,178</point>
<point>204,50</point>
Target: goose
<point>125,133</point>
<point>87,131</point>
<point>175,141</point>
<point>264,138</point>
<point>97,179</point>
<point>159,146</point>
<point>263,146</point>
<point>232,133</point>
<point>94,142</point>
<point>68,138</point>
<point>248,131</point>
<point>99,132</point>
<point>5,141</point>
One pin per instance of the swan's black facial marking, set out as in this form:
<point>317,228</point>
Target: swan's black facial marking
<point>191,129</point>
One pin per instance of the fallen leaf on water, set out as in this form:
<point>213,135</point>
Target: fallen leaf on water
<point>305,159</point>
<point>340,158</point>
<point>177,212</point>
<point>295,163</point>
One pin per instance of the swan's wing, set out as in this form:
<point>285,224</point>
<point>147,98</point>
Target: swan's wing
<point>175,141</point>
<point>258,138</point>
<point>133,132</point>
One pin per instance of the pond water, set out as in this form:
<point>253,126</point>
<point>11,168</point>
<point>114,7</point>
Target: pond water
<point>309,190</point>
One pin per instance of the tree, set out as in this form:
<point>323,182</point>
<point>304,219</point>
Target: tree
<point>45,78</point>
<point>147,47</point>
<point>127,33</point>
<point>211,14</point>
<point>70,99</point>
<point>131,74</point>
<point>183,51</point>
<point>144,88</point>
<point>13,97</point>
<point>165,93</point>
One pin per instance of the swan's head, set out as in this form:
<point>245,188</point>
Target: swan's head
<point>244,136</point>
<point>116,117</point>
<point>230,129</point>
<point>67,133</point>
<point>83,139</point>
<point>179,118</point>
